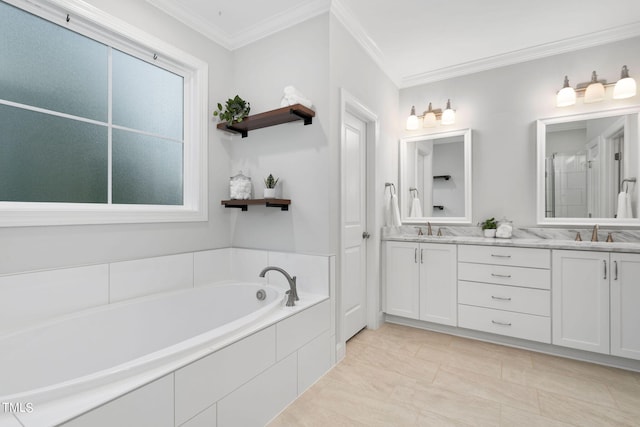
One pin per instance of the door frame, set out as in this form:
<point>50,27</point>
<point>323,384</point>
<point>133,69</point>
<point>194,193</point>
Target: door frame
<point>350,104</point>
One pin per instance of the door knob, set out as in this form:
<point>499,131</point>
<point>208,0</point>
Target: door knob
<point>365,235</point>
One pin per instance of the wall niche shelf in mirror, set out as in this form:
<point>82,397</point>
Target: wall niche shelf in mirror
<point>438,166</point>
<point>283,204</point>
<point>586,166</point>
<point>275,117</point>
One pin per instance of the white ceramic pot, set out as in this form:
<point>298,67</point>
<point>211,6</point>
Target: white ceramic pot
<point>269,193</point>
<point>490,232</point>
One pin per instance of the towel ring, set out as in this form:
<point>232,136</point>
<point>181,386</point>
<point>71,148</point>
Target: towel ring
<point>393,187</point>
<point>412,189</point>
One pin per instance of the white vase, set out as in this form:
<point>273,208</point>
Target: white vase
<point>269,193</point>
<point>490,232</point>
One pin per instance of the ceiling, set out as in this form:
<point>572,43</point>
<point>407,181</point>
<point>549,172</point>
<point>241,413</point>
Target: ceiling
<point>420,41</point>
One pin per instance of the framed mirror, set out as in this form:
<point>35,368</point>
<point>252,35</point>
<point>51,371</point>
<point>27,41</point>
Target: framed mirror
<point>587,168</point>
<point>435,178</point>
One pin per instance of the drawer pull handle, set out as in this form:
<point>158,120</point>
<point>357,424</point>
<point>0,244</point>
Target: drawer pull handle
<point>500,256</point>
<point>505,276</point>
<point>501,298</point>
<point>495,322</point>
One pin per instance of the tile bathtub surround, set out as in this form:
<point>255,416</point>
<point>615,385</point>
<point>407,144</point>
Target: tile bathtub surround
<point>399,375</point>
<point>32,297</point>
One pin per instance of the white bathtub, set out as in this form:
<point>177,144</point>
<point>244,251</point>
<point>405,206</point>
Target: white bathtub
<point>78,352</point>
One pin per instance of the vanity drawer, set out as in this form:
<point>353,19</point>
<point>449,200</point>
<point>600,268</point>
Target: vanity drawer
<point>518,325</point>
<point>505,275</point>
<point>522,257</point>
<point>511,298</point>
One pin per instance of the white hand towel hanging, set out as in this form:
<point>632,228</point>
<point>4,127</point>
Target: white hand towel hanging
<point>624,203</point>
<point>387,211</point>
<point>416,208</point>
<point>395,212</point>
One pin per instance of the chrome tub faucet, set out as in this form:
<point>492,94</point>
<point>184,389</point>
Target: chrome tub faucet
<point>292,293</point>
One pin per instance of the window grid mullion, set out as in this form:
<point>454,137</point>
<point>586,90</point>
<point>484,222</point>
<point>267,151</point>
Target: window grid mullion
<point>110,128</point>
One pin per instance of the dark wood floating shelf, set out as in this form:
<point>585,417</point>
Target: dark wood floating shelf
<point>270,118</point>
<point>283,204</point>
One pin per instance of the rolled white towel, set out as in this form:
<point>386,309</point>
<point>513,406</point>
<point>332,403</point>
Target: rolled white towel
<point>292,99</point>
<point>395,212</point>
<point>416,208</point>
<point>624,203</point>
<point>294,96</point>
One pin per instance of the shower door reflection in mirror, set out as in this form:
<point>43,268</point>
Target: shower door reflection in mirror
<point>587,168</point>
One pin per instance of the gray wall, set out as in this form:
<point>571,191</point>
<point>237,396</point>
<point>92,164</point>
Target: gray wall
<point>502,105</point>
<point>297,154</point>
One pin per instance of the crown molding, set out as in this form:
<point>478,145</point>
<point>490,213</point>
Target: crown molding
<point>263,29</point>
<point>279,22</point>
<point>351,23</point>
<point>523,55</point>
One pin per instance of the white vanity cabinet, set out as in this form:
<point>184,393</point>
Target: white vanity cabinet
<point>420,281</point>
<point>596,296</point>
<point>505,291</point>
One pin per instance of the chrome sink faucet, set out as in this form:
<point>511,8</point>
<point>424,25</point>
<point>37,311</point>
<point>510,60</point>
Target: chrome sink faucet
<point>292,292</point>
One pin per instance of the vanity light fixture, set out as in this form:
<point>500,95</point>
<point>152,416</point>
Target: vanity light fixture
<point>595,90</point>
<point>567,95</point>
<point>626,86</point>
<point>412,120</point>
<point>430,117</point>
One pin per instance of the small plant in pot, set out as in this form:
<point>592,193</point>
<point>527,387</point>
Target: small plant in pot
<point>234,111</point>
<point>489,227</point>
<point>270,187</point>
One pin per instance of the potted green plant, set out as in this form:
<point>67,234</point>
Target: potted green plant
<point>270,187</point>
<point>234,111</point>
<point>489,227</point>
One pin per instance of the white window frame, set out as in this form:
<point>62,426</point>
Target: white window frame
<point>96,24</point>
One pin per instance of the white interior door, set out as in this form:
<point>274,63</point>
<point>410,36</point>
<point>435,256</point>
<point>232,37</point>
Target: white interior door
<point>354,233</point>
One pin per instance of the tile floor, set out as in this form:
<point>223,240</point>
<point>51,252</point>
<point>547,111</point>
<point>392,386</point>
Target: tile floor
<point>401,376</point>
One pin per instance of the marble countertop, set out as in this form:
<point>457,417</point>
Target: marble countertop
<point>629,247</point>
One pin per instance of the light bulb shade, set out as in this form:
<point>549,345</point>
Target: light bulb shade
<point>595,90</point>
<point>412,120</point>
<point>626,86</point>
<point>448,115</point>
<point>567,95</point>
<point>429,120</point>
<point>594,93</point>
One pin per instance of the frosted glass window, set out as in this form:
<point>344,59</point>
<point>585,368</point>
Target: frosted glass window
<point>45,158</point>
<point>146,169</point>
<point>146,97</point>
<point>48,66</point>
<point>92,127</point>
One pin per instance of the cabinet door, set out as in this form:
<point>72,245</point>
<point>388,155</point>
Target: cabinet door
<point>438,292</point>
<point>401,279</point>
<point>625,300</point>
<point>580,300</point>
